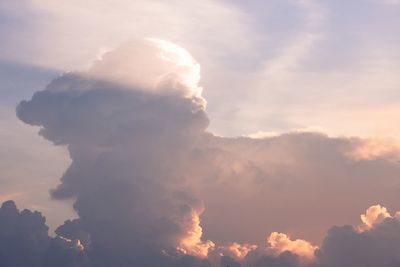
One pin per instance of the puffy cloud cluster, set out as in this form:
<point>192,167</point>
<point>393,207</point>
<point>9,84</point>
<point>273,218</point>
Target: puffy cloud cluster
<point>238,251</point>
<point>277,182</point>
<point>280,242</point>
<point>144,167</point>
<point>191,242</point>
<point>374,215</point>
<point>343,246</point>
<point>24,241</point>
<point>150,65</point>
<point>377,246</point>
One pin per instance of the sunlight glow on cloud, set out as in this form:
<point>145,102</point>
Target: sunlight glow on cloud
<point>74,244</point>
<point>151,64</point>
<point>374,148</point>
<point>191,242</point>
<point>240,251</point>
<point>373,216</point>
<point>280,243</point>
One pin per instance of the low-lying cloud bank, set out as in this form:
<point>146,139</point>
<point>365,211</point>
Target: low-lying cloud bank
<point>24,241</point>
<point>153,188</point>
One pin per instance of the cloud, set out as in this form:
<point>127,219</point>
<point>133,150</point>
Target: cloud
<point>277,180</point>
<point>375,148</point>
<point>24,241</point>
<point>128,137</point>
<point>376,246</point>
<point>343,246</point>
<point>238,251</point>
<point>149,182</point>
<point>280,242</point>
<point>374,215</point>
<point>167,67</point>
<point>285,259</point>
<point>22,172</point>
<point>191,242</point>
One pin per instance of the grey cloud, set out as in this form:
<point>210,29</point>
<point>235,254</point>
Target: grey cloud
<point>346,247</point>
<point>127,146</point>
<point>260,259</point>
<point>343,246</point>
<point>286,259</point>
<point>24,241</point>
<point>143,164</point>
<point>277,182</point>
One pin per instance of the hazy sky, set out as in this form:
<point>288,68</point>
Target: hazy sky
<point>292,125</point>
<point>266,65</point>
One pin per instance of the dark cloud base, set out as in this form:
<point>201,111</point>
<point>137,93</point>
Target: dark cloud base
<point>24,241</point>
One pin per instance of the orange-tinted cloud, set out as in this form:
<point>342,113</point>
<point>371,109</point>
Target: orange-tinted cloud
<point>374,215</point>
<point>191,242</point>
<point>280,243</point>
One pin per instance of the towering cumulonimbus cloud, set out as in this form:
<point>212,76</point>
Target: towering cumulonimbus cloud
<point>129,123</point>
<point>144,171</point>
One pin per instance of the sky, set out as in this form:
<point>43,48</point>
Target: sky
<point>200,133</point>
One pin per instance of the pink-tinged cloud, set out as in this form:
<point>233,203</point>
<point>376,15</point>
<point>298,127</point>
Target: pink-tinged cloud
<point>144,166</point>
<point>373,215</point>
<point>191,242</point>
<point>280,243</point>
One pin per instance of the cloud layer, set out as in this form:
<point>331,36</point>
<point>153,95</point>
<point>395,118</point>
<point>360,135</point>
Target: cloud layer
<point>153,188</point>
